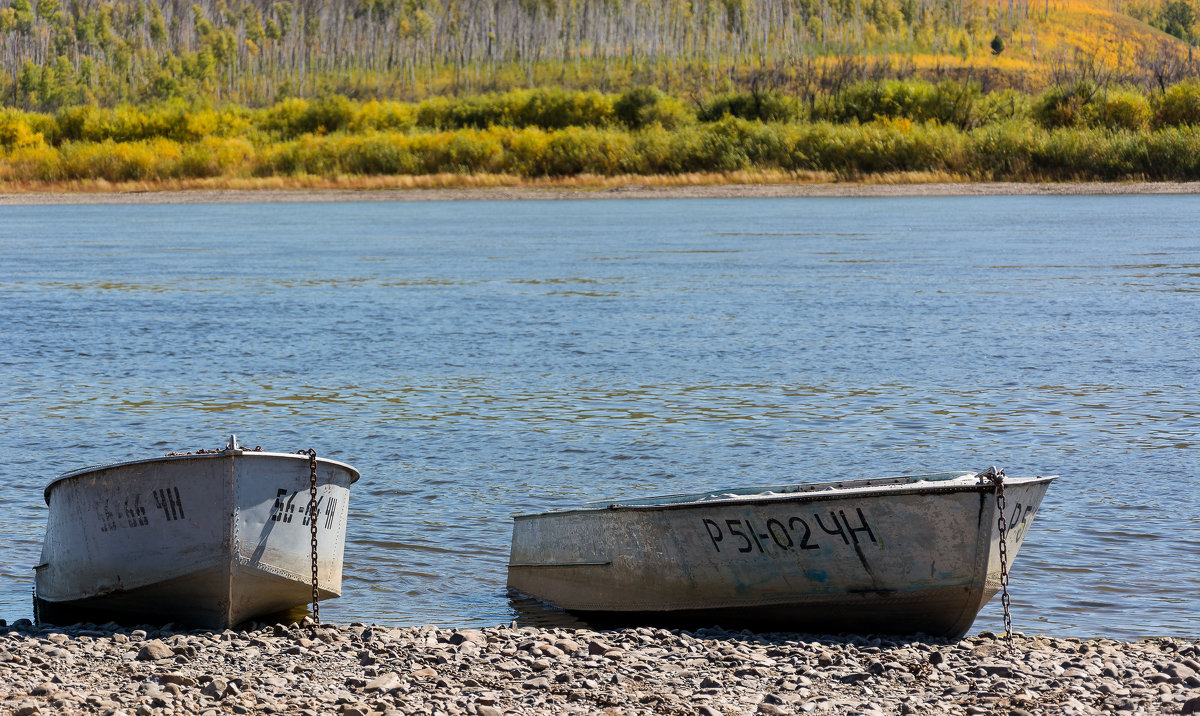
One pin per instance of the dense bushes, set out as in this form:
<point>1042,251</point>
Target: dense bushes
<point>1180,105</point>
<point>1079,131</point>
<point>763,106</point>
<point>946,102</point>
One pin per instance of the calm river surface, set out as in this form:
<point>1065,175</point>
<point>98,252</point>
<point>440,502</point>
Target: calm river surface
<point>480,359</point>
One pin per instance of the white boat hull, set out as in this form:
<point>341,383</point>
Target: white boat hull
<point>888,556</point>
<point>207,540</point>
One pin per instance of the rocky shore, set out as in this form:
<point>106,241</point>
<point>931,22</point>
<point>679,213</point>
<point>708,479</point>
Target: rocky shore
<point>359,669</point>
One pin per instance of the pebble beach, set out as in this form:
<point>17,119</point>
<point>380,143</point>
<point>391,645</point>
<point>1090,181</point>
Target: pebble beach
<point>360,670</point>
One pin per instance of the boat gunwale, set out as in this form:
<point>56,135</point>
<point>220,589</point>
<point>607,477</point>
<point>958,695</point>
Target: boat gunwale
<point>240,452</point>
<point>807,496</point>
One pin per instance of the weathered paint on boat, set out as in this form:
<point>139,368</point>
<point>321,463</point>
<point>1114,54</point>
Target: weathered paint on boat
<point>208,540</point>
<point>901,555</point>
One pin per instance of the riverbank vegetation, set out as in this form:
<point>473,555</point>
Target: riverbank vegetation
<point>889,127</point>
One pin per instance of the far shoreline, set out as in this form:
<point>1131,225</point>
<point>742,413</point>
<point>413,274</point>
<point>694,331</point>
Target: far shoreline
<point>620,188</point>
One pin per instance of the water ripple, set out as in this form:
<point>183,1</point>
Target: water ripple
<point>478,360</point>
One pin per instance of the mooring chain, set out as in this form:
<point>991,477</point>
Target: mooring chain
<point>997,478</point>
<point>312,527</point>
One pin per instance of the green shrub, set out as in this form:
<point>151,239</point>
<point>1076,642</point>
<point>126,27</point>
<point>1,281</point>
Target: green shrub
<point>1002,106</point>
<point>558,109</point>
<point>643,106</point>
<point>293,117</point>
<point>947,102</point>
<point>587,150</point>
<point>531,151</point>
<point>955,103</point>
<point>1064,106</point>
<point>1070,154</point>
<point>865,101</point>
<point>75,124</point>
<point>544,108</point>
<point>1121,109</point>
<point>651,152</point>
<point>285,118</point>
<point>1083,104</point>
<point>1172,153</point>
<point>763,106</point>
<point>327,115</point>
<point>1004,150</point>
<point>1179,105</point>
<point>717,147</point>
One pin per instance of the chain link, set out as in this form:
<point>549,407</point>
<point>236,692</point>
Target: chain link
<point>997,478</point>
<point>312,526</point>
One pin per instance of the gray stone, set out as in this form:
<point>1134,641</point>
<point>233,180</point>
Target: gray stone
<point>178,679</point>
<point>154,650</point>
<point>469,635</point>
<point>1002,670</point>
<point>385,682</point>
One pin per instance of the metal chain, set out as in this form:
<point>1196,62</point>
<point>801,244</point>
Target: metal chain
<point>997,479</point>
<point>312,527</point>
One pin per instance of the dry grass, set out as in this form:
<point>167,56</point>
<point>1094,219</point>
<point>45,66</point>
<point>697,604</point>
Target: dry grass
<point>909,178</point>
<point>445,181</point>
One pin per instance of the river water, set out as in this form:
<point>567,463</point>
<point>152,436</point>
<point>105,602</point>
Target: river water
<point>480,359</point>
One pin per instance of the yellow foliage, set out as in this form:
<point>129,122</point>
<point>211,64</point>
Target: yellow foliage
<point>15,132</point>
<point>217,156</point>
<point>36,161</point>
<point>903,125</point>
<point>383,116</point>
<point>120,161</point>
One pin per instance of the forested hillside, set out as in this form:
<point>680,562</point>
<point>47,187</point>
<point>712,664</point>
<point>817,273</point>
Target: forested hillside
<point>56,53</point>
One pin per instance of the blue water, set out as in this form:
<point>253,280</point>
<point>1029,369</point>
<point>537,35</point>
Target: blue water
<point>480,359</point>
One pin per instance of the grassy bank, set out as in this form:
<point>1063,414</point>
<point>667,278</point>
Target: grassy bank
<point>1077,132</point>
